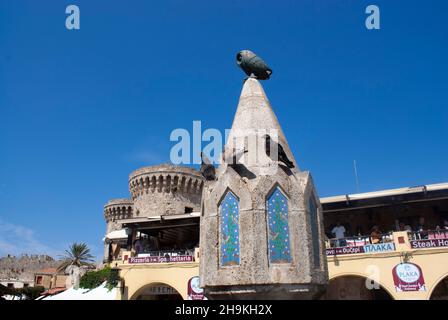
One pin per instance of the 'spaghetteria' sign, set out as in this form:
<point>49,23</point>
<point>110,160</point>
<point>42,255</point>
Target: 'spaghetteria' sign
<point>368,248</point>
<point>408,277</point>
<point>157,259</point>
<point>433,243</point>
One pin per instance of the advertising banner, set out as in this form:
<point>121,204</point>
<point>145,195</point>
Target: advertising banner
<point>433,243</point>
<point>408,277</point>
<point>368,248</point>
<point>157,259</point>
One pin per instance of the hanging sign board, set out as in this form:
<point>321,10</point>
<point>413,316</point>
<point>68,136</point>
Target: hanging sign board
<point>195,292</point>
<point>408,277</point>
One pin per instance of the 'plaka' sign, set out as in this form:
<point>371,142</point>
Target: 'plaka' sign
<point>408,277</point>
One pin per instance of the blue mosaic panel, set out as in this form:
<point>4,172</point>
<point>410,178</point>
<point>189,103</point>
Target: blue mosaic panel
<point>278,228</point>
<point>230,242</point>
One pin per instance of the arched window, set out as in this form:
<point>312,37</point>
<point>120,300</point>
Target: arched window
<point>229,225</point>
<point>314,222</point>
<point>278,228</point>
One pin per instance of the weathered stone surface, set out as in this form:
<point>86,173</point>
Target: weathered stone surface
<point>165,189</point>
<point>116,210</point>
<point>24,267</point>
<point>255,277</point>
<point>157,190</point>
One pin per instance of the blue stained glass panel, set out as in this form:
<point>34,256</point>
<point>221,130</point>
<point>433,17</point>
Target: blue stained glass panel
<point>230,242</point>
<point>278,228</point>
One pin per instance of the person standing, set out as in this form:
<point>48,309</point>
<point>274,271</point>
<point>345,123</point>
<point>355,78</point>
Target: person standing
<point>339,233</point>
<point>422,229</point>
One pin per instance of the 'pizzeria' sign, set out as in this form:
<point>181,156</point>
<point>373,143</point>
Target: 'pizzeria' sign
<point>157,259</point>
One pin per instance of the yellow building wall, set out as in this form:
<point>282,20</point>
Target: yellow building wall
<point>433,262</point>
<point>59,281</point>
<point>376,266</point>
<point>138,277</point>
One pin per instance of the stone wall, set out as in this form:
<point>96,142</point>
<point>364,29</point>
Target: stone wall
<point>24,267</point>
<point>165,189</point>
<point>115,210</point>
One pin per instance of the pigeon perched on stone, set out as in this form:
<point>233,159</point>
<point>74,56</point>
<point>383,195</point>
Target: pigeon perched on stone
<point>207,169</point>
<point>282,157</point>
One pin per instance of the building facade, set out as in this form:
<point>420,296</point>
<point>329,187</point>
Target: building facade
<point>50,278</point>
<point>258,230</point>
<point>403,264</point>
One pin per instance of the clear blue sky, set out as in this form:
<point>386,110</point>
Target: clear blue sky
<point>81,109</point>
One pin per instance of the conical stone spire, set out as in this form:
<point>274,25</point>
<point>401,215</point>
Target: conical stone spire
<point>253,119</point>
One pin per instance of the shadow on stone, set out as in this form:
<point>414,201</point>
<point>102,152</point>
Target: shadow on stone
<point>243,171</point>
<point>286,169</point>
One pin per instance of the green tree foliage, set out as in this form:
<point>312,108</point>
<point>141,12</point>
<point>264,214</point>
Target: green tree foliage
<point>77,255</point>
<point>28,293</point>
<point>93,279</point>
<point>113,279</point>
<point>31,293</point>
<point>4,290</point>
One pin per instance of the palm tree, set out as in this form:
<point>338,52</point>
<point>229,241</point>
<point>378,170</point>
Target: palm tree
<point>77,255</point>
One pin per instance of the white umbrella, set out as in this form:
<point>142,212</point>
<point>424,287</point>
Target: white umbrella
<point>69,294</point>
<point>98,293</point>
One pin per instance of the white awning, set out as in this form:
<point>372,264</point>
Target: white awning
<point>383,193</point>
<point>163,217</point>
<point>117,235</point>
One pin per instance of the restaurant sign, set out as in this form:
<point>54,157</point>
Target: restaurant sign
<point>433,243</point>
<point>195,292</point>
<point>157,259</point>
<point>368,248</point>
<point>408,277</point>
<point>160,290</point>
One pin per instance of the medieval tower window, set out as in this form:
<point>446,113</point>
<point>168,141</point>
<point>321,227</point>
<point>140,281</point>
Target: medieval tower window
<point>229,227</point>
<point>278,227</point>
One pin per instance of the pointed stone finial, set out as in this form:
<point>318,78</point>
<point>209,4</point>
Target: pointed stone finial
<point>254,119</point>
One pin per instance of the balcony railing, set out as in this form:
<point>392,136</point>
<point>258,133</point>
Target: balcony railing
<point>429,235</point>
<point>358,241</point>
<point>360,245</point>
<point>429,239</point>
<point>386,243</point>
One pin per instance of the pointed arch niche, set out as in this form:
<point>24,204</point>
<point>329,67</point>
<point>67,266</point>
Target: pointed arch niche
<point>278,227</point>
<point>314,222</point>
<point>229,230</point>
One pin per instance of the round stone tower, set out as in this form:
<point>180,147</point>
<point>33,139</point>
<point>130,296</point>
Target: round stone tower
<point>165,190</point>
<point>117,209</point>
